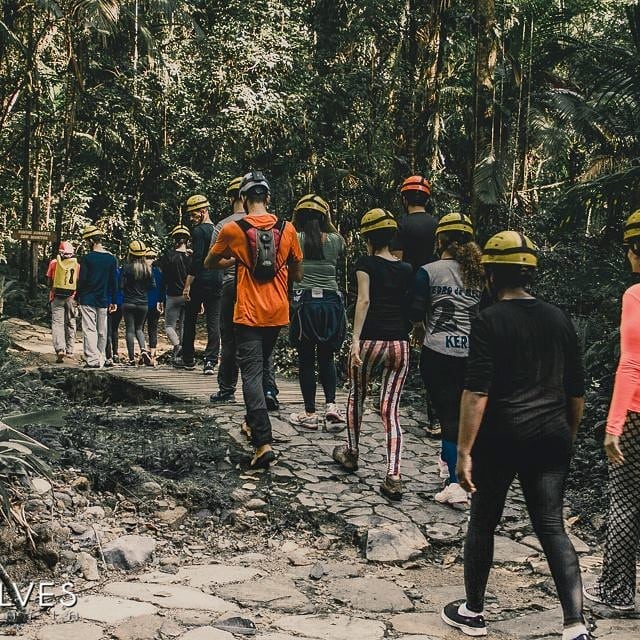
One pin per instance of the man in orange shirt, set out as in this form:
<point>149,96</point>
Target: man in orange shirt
<point>262,301</point>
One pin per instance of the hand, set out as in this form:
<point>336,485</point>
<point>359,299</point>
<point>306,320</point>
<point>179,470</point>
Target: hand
<point>160,307</point>
<point>185,293</point>
<point>612,449</point>
<point>201,312</point>
<point>417,335</point>
<point>354,354</point>
<point>463,471</point>
<point>112,308</point>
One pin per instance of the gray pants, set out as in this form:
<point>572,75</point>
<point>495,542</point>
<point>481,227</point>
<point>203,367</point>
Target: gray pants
<point>63,324</point>
<point>94,328</point>
<point>174,313</point>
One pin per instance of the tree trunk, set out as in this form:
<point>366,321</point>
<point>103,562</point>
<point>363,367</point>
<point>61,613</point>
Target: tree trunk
<point>26,159</point>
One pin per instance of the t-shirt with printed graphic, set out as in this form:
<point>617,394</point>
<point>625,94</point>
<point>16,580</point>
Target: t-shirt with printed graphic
<point>446,305</point>
<point>259,304</point>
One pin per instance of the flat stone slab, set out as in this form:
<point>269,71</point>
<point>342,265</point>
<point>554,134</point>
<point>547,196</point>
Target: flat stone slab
<point>370,594</point>
<point>618,629</point>
<point>110,610</point>
<point>202,575</point>
<point>69,631</point>
<point>397,542</point>
<point>421,624</point>
<point>170,596</point>
<point>532,625</point>
<point>140,628</point>
<point>275,593</point>
<point>332,627</point>
<point>507,550</point>
<point>207,633</point>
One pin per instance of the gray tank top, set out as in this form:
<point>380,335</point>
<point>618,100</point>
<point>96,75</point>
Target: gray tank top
<point>452,307</point>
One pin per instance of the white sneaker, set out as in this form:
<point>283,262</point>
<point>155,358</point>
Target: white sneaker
<point>452,494</point>
<point>304,421</point>
<point>332,413</point>
<point>443,469</point>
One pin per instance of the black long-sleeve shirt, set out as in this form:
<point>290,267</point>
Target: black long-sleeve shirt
<point>200,242</point>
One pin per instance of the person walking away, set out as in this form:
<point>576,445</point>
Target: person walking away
<point>521,408</point>
<point>155,304</point>
<point>63,279</point>
<point>446,298</point>
<point>114,318</point>
<point>137,280</point>
<point>380,346</point>
<point>97,286</point>
<point>318,322</point>
<point>267,254</point>
<point>175,266</point>
<point>203,287</point>
<point>616,587</point>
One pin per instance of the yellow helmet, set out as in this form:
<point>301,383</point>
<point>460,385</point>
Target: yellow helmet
<point>194,203</point>
<point>510,247</point>
<point>233,188</point>
<point>180,230</point>
<point>314,202</point>
<point>151,253</point>
<point>137,248</point>
<point>632,226</point>
<point>455,222</point>
<point>91,231</point>
<point>377,219</point>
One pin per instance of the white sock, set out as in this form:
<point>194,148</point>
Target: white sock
<point>574,631</point>
<point>463,611</point>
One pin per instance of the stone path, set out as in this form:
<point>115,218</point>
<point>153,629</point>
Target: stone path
<point>391,584</point>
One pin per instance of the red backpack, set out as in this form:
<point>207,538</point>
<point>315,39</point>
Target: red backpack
<point>263,249</point>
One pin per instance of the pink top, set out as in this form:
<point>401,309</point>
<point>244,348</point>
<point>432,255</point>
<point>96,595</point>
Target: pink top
<point>626,390</point>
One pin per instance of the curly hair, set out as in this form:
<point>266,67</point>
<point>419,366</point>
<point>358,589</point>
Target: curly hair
<point>466,253</point>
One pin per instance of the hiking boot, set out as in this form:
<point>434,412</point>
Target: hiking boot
<point>452,494</point>
<point>222,396</point>
<point>131,363</point>
<point>189,366</point>
<point>208,368</point>
<point>594,592</point>
<point>59,357</point>
<point>469,625</point>
<point>263,460</point>
<point>304,420</point>
<point>272,401</point>
<point>108,363</point>
<point>345,457</point>
<point>333,414</point>
<point>391,488</point>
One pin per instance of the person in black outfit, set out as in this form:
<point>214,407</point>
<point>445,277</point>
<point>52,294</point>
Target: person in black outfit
<point>520,411</point>
<point>203,287</point>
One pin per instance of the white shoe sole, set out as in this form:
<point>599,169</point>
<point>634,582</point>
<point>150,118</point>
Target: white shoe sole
<point>468,631</point>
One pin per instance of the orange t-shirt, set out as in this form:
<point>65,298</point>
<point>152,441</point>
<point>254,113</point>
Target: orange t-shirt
<point>259,304</point>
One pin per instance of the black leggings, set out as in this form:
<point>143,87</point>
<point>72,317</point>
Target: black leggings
<point>113,325</point>
<point>543,489</point>
<point>153,316</point>
<point>326,372</point>
<point>134,317</point>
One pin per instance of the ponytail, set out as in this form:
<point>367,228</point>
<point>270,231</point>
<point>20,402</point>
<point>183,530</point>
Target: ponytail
<point>311,226</point>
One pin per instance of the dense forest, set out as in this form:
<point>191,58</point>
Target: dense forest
<point>523,113</point>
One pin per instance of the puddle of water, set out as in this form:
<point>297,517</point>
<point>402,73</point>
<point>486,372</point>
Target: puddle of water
<point>50,417</point>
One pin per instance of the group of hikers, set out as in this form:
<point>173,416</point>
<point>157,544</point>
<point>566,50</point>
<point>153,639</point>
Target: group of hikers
<point>502,368</point>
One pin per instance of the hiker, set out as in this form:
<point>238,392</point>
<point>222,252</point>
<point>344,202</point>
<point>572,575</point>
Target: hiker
<point>446,297</point>
<point>63,279</point>
<point>318,322</point>
<point>97,286</point>
<point>114,318</point>
<point>521,408</point>
<point>380,344</point>
<point>202,287</point>
<point>155,304</point>
<point>175,266</point>
<point>136,281</point>
<point>267,254</point>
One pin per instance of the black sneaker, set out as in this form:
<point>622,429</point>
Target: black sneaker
<point>272,401</point>
<point>208,368</point>
<point>263,461</point>
<point>222,396</point>
<point>189,366</point>
<point>469,625</point>
<point>146,359</point>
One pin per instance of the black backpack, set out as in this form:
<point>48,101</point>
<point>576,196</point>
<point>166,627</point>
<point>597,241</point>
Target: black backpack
<point>263,249</point>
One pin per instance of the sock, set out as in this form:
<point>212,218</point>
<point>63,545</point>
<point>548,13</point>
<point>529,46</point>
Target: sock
<point>450,456</point>
<point>463,611</point>
<point>574,631</point>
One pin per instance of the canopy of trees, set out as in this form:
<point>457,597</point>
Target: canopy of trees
<point>523,113</point>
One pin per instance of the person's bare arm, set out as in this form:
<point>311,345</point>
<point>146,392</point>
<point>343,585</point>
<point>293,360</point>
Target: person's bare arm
<point>218,261</point>
<point>575,409</point>
<point>296,271</point>
<point>362,307</point>
<point>472,408</point>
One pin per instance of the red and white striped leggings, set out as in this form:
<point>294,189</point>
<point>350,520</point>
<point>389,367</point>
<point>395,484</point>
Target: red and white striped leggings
<point>391,358</point>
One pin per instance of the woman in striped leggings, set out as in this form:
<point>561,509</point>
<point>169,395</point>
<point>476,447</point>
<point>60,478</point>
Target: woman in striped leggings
<point>380,346</point>
<point>617,584</point>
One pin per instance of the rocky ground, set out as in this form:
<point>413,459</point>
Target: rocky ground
<point>154,518</point>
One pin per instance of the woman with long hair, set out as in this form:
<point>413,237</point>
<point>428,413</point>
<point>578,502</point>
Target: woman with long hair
<point>136,282</point>
<point>616,586</point>
<point>318,321</point>
<point>446,297</point>
<point>380,347</point>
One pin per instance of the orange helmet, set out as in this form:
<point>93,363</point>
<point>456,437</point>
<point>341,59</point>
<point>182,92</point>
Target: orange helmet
<point>416,183</point>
